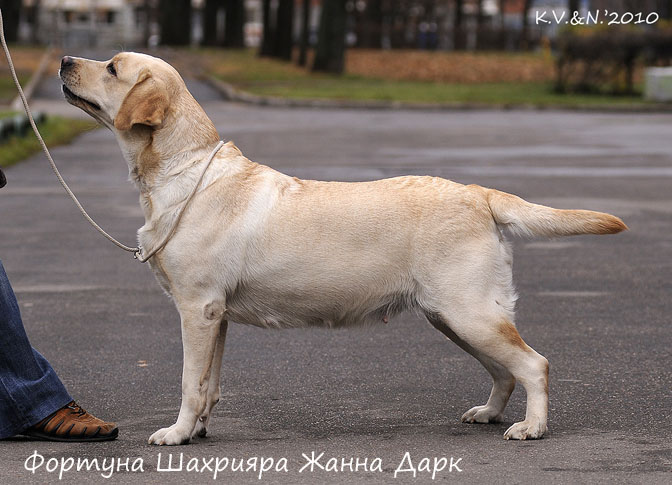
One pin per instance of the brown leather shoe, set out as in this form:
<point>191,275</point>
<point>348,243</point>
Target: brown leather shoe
<point>72,423</point>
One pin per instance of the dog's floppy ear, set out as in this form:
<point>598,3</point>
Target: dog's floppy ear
<point>145,104</point>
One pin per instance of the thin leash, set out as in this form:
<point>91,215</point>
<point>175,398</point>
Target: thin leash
<point>137,251</point>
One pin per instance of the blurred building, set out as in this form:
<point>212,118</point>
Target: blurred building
<point>83,22</point>
<point>119,23</point>
<point>423,24</point>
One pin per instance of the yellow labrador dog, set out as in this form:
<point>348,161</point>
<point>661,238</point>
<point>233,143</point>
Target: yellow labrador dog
<point>261,248</point>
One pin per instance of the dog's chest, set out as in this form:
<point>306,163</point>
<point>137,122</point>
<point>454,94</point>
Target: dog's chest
<point>160,274</point>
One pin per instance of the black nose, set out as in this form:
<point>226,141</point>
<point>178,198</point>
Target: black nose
<point>66,62</point>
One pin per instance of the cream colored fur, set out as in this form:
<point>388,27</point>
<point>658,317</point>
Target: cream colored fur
<point>261,248</point>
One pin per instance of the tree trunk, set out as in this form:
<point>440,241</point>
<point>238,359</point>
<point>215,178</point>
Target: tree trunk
<point>284,40</point>
<point>210,9</point>
<point>665,8</point>
<point>573,6</point>
<point>458,35</point>
<point>525,41</point>
<point>502,7</point>
<point>268,39</point>
<point>284,28</point>
<point>11,11</point>
<point>35,22</point>
<point>305,32</point>
<point>234,30</point>
<point>372,31</point>
<point>175,21</point>
<point>480,22</point>
<point>330,51</point>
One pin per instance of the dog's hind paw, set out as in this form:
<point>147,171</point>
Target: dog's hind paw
<point>482,414</point>
<point>169,436</point>
<point>526,430</point>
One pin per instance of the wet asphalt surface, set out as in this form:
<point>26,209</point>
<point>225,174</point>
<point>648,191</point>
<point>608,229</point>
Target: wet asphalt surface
<point>597,307</point>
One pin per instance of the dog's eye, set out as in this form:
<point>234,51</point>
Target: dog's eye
<point>111,69</point>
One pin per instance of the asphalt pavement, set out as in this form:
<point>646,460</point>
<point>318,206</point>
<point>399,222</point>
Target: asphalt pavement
<point>370,399</point>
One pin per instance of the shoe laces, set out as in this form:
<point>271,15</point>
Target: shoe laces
<point>76,409</point>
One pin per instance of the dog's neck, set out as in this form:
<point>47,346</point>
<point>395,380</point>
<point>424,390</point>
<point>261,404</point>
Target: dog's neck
<point>157,155</point>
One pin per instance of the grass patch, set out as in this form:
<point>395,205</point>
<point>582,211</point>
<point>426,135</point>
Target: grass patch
<point>244,66</point>
<point>6,114</point>
<point>494,94</point>
<point>266,77</point>
<point>55,131</point>
<point>26,61</point>
<point>8,89</point>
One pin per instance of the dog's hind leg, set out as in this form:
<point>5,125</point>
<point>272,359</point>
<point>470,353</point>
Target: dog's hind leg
<point>474,307</point>
<point>214,386</point>
<point>494,340</point>
<point>503,381</point>
<point>199,338</point>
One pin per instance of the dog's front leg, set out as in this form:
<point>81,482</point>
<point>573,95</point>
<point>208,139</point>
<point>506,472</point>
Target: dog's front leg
<point>199,338</point>
<point>214,387</point>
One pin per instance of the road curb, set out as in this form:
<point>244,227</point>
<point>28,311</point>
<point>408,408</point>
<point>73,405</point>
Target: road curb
<point>34,82</point>
<point>231,93</point>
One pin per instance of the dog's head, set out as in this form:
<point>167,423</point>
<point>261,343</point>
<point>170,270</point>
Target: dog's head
<point>145,102</point>
<point>130,89</point>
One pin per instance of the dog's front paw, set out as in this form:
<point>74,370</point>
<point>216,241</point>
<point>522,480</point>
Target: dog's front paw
<point>525,430</point>
<point>482,414</point>
<point>170,436</point>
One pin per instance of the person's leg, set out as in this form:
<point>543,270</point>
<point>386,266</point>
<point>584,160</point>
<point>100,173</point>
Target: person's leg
<point>29,386</point>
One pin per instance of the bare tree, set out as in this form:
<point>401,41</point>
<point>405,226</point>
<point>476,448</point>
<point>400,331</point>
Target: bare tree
<point>330,51</point>
<point>209,18</point>
<point>371,33</point>
<point>175,22</point>
<point>458,35</point>
<point>305,32</point>
<point>665,9</point>
<point>11,11</point>
<point>35,21</point>
<point>268,33</point>
<point>234,29</point>
<point>278,30</point>
<point>480,21</point>
<point>284,27</point>
<point>525,41</point>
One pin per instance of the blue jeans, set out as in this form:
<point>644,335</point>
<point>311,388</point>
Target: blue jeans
<point>30,390</point>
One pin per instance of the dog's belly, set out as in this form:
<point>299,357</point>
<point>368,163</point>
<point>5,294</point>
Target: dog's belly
<point>266,308</point>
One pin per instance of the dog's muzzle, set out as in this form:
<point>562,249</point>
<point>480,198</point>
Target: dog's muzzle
<point>3,179</point>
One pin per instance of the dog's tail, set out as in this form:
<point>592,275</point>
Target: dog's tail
<point>527,219</point>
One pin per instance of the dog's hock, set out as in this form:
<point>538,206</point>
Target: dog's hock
<point>214,311</point>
